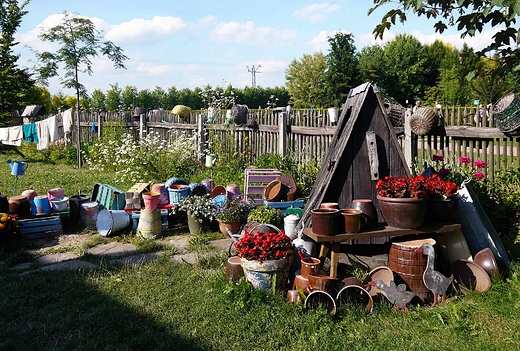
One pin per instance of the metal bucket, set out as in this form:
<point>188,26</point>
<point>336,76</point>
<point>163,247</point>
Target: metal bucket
<point>88,214</point>
<point>149,224</point>
<point>109,222</point>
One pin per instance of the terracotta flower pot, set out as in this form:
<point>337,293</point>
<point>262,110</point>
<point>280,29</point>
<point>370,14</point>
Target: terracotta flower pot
<point>234,227</point>
<point>405,213</point>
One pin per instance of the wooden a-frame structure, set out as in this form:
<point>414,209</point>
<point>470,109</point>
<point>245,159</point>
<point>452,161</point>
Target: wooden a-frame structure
<point>363,149</point>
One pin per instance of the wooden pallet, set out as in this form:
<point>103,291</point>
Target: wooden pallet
<point>34,228</point>
<point>255,181</point>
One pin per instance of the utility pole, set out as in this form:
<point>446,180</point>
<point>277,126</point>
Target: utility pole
<point>253,71</point>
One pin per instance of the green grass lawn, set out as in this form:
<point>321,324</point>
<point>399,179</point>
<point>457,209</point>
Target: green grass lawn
<point>164,305</point>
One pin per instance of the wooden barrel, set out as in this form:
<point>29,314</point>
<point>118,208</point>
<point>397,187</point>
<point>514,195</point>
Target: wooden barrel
<point>410,265</point>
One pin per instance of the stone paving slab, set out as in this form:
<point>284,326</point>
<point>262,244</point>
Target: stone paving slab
<point>114,249</point>
<point>139,259</point>
<point>222,243</point>
<point>58,257</point>
<point>66,265</point>
<point>190,258</point>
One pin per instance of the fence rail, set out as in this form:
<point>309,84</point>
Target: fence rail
<point>307,133</point>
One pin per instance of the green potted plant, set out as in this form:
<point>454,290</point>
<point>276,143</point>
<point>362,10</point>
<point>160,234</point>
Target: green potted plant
<point>200,211</point>
<point>266,215</point>
<point>232,214</point>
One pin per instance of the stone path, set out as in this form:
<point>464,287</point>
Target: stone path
<point>114,252</point>
<point>62,253</point>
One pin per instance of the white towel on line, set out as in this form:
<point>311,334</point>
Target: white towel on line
<point>52,126</point>
<point>4,134</point>
<point>67,120</point>
<point>43,135</point>
<point>15,136</point>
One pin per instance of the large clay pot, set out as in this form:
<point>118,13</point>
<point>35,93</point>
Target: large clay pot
<point>324,221</point>
<point>442,211</point>
<point>266,274</point>
<point>405,213</point>
<point>234,227</point>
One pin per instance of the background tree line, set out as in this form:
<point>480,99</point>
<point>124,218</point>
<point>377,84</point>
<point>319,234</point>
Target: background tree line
<point>405,71</point>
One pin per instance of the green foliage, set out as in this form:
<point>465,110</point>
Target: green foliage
<point>150,159</point>
<point>305,81</point>
<point>16,85</point>
<point>113,99</point>
<point>266,215</point>
<point>469,17</point>
<point>342,72</point>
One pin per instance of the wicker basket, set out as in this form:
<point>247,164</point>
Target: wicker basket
<point>395,113</point>
<point>178,192</point>
<point>177,189</point>
<point>506,112</point>
<point>423,121</point>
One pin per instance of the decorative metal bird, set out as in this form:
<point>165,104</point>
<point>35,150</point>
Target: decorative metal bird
<point>397,295</point>
<point>435,282</point>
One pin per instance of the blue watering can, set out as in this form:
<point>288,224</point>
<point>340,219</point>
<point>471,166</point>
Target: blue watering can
<point>18,168</point>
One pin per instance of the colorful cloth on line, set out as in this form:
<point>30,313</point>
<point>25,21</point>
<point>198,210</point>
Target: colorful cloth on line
<point>30,133</point>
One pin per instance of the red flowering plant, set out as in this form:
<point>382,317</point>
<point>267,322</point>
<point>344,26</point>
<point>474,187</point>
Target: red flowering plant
<point>264,246</point>
<point>465,169</point>
<point>441,188</point>
<point>403,187</point>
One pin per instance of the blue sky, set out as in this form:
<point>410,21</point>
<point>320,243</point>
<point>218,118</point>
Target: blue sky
<point>199,42</point>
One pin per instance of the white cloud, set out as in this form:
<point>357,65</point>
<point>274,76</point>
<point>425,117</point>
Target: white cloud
<point>316,12</point>
<point>154,70</point>
<point>141,31</point>
<point>321,41</point>
<point>247,33</point>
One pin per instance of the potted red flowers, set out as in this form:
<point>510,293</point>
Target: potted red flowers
<point>403,201</point>
<point>266,258</point>
<point>443,199</point>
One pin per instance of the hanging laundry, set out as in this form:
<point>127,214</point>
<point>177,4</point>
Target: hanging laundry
<point>43,135</point>
<point>4,134</point>
<point>30,133</point>
<point>52,126</point>
<point>93,129</point>
<point>67,120</point>
<point>15,136</point>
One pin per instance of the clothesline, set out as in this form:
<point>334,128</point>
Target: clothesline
<point>42,132</point>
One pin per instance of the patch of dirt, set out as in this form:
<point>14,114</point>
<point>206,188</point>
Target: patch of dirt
<point>59,242</point>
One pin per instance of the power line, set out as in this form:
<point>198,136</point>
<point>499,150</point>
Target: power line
<point>254,70</point>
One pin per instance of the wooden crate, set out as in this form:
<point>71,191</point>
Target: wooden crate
<point>255,181</point>
<point>33,228</point>
<point>134,196</point>
<point>108,197</point>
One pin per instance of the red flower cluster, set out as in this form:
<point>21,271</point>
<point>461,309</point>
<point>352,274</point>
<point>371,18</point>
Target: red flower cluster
<point>441,188</point>
<point>264,246</point>
<point>403,187</point>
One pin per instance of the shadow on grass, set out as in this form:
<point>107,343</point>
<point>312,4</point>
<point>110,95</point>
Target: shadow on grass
<point>65,310</point>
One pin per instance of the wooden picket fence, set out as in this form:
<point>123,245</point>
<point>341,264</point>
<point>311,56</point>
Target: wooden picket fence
<point>305,134</point>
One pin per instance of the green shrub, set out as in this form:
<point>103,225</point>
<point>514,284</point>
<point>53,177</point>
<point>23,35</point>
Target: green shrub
<point>266,215</point>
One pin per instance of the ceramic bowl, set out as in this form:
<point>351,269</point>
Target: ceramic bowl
<point>470,275</point>
<point>486,260</point>
<point>273,191</point>
<point>379,273</point>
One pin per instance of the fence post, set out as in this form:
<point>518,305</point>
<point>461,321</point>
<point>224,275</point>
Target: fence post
<point>282,133</point>
<point>410,141</point>
<point>202,137</point>
<point>142,125</point>
<point>99,120</point>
